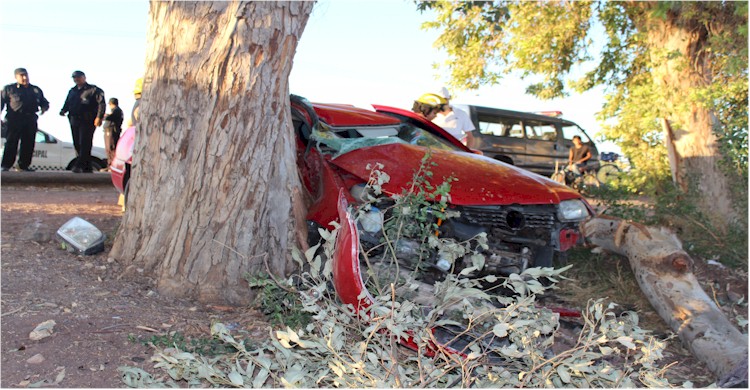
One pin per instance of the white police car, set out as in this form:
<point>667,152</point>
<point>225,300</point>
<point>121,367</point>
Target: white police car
<point>51,154</point>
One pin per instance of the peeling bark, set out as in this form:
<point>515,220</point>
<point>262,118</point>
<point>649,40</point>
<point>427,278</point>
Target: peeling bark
<point>664,273</point>
<point>214,191</point>
<point>681,63</point>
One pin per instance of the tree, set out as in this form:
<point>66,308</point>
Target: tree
<point>682,61</point>
<point>214,192</point>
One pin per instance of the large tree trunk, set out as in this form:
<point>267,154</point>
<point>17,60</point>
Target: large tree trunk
<point>664,273</point>
<point>214,186</point>
<point>681,67</point>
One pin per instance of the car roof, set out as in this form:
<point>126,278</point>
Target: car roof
<point>339,115</point>
<point>518,114</point>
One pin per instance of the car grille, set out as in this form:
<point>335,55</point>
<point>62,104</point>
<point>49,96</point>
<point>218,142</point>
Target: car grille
<point>510,218</point>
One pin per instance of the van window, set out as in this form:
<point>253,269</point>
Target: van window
<point>500,127</point>
<point>570,131</point>
<point>541,131</point>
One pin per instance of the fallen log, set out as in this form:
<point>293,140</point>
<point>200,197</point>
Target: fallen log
<point>664,273</point>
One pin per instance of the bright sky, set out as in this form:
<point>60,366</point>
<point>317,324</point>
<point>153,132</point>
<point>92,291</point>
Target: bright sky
<point>357,52</point>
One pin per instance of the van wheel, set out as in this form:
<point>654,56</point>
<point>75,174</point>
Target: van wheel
<point>504,159</point>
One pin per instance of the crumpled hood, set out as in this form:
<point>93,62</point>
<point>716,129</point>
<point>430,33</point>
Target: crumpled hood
<point>480,180</point>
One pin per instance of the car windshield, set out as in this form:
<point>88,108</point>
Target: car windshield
<point>345,139</point>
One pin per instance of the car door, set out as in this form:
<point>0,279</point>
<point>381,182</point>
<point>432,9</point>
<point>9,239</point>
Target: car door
<point>46,152</point>
<point>501,138</point>
<point>542,148</point>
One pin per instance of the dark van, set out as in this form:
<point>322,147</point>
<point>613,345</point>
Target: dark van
<point>530,141</point>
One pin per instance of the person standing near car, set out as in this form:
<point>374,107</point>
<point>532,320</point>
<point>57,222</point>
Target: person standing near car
<point>135,114</point>
<point>85,106</point>
<point>428,105</point>
<point>454,120</point>
<point>21,100</point>
<point>112,128</point>
<point>579,154</point>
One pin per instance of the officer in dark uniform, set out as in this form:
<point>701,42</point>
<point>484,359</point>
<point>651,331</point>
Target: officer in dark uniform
<point>85,106</point>
<point>22,100</point>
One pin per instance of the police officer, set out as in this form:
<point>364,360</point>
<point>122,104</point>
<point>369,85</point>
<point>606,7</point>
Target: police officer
<point>22,100</point>
<point>112,127</point>
<point>85,106</point>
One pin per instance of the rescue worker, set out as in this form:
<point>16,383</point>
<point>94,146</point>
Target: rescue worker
<point>454,120</point>
<point>135,114</point>
<point>85,106</point>
<point>428,105</point>
<point>22,100</point>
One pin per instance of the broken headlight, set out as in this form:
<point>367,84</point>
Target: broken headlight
<point>572,210</point>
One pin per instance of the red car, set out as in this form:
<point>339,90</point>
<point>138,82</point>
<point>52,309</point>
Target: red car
<point>527,217</point>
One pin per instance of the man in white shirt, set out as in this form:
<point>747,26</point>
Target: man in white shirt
<point>454,120</point>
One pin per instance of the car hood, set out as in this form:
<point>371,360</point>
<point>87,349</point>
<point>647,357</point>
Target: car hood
<point>480,180</point>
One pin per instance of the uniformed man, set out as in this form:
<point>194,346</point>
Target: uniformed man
<point>85,106</point>
<point>21,101</point>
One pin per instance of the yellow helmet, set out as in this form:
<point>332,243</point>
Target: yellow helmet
<point>432,100</point>
<point>138,86</point>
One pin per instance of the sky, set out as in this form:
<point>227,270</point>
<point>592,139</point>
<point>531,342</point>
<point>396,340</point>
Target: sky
<point>352,51</point>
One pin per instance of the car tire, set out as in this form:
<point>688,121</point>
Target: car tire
<point>97,164</point>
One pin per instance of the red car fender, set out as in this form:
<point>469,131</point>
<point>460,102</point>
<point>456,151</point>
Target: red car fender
<point>347,279</point>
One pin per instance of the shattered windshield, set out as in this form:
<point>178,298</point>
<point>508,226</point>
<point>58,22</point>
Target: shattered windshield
<point>344,140</point>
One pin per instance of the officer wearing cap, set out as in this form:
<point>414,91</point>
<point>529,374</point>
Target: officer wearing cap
<point>85,106</point>
<point>21,100</point>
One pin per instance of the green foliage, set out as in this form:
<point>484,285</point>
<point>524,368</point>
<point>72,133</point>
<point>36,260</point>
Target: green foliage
<point>646,76</point>
<point>202,346</point>
<point>673,208</point>
<point>505,340</point>
<point>280,304</point>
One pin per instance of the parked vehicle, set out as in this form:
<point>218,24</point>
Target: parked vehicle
<point>526,217</point>
<point>530,141</point>
<point>51,154</point>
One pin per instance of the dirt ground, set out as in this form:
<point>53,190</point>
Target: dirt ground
<point>94,311</point>
<point>98,314</point>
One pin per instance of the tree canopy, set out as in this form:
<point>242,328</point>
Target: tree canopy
<point>656,60</point>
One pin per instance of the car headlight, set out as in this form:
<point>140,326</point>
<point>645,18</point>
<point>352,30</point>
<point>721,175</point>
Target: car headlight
<point>572,210</point>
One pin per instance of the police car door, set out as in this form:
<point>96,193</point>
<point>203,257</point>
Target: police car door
<point>46,152</point>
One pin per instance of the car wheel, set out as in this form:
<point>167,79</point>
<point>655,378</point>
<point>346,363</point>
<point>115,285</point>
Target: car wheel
<point>97,164</point>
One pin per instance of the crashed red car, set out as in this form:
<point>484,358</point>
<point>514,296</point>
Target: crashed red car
<point>527,218</point>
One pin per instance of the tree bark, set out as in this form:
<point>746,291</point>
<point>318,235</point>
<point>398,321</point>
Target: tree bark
<point>680,67</point>
<point>664,273</point>
<point>214,192</point>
